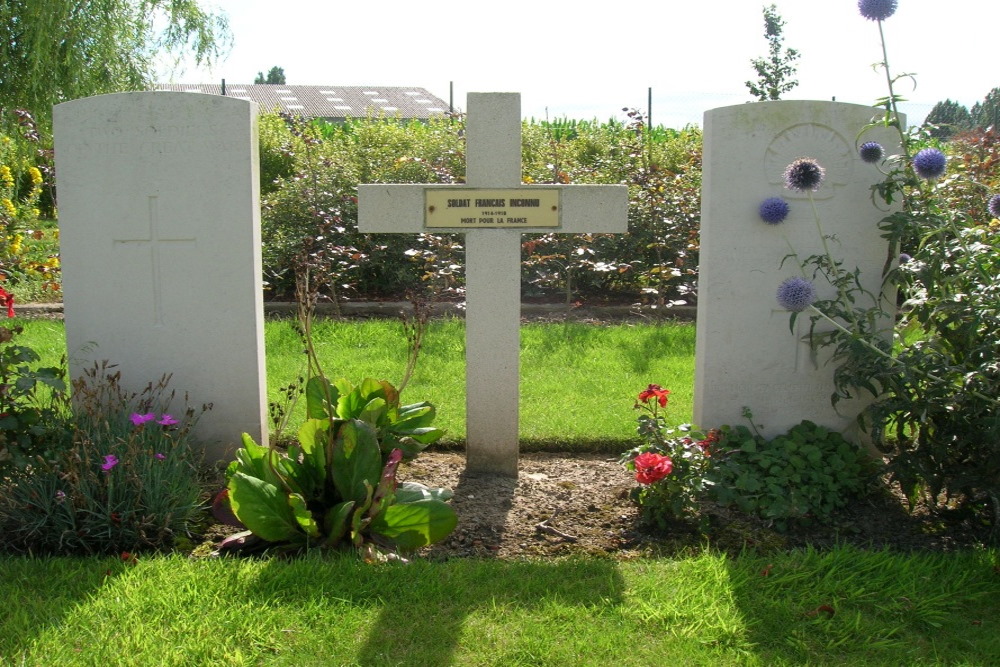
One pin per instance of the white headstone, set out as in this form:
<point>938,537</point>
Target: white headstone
<point>746,356</point>
<point>159,223</point>
<point>493,255</point>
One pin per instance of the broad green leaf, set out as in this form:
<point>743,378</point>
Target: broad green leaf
<point>373,411</point>
<point>313,437</point>
<point>415,416</point>
<point>262,508</point>
<point>256,460</point>
<point>350,405</point>
<point>371,388</point>
<point>337,521</point>
<point>303,516</point>
<point>424,436</point>
<point>357,460</point>
<point>408,492</point>
<point>390,394</point>
<point>359,520</point>
<point>294,474</point>
<point>414,525</point>
<point>321,398</point>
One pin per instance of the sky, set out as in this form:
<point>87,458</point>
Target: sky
<point>591,61</point>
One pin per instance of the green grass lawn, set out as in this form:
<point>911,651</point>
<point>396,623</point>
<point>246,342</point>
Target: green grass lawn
<point>578,381</point>
<point>843,607</point>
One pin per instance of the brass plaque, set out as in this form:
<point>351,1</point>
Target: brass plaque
<point>466,208</point>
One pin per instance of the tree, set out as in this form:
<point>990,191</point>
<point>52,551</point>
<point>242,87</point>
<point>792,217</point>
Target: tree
<point>948,118</point>
<point>275,75</point>
<point>987,113</point>
<point>59,50</point>
<point>773,72</point>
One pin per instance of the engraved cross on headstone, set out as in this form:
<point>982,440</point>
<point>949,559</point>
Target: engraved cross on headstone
<point>493,256</point>
<point>154,239</point>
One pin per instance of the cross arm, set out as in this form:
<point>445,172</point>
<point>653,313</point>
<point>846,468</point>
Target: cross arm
<point>391,207</point>
<point>586,209</point>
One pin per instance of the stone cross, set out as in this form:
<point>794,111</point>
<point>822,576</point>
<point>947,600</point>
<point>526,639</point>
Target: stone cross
<point>153,239</point>
<point>493,209</point>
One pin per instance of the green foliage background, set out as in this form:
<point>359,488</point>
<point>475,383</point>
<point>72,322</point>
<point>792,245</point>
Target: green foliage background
<point>310,173</point>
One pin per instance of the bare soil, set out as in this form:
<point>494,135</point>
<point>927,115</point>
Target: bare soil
<point>562,504</point>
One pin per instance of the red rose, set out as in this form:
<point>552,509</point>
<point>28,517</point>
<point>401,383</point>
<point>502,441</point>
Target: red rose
<point>657,392</point>
<point>650,467</point>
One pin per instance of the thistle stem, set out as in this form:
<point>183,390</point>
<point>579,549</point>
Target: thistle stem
<point>841,291</point>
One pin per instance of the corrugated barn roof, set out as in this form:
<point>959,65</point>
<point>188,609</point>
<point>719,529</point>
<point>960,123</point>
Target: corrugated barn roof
<point>331,102</point>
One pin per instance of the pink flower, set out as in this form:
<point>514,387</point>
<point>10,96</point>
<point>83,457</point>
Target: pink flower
<point>651,467</point>
<point>139,420</point>
<point>159,457</point>
<point>166,420</point>
<point>110,461</point>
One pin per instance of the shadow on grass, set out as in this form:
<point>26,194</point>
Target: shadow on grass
<point>424,623</point>
<point>44,596</point>
<point>848,605</point>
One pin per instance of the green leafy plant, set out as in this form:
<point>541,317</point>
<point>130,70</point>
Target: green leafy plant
<point>33,413</point>
<point>670,468</point>
<point>934,383</point>
<point>130,482</point>
<point>804,475</point>
<point>336,486</point>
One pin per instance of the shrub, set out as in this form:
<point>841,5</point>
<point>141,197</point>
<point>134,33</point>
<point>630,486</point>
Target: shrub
<point>802,476</point>
<point>27,268</point>
<point>934,413</point>
<point>670,469</point>
<point>336,486</point>
<point>128,484</point>
<point>33,411</point>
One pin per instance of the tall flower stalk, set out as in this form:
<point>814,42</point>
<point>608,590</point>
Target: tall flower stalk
<point>934,412</point>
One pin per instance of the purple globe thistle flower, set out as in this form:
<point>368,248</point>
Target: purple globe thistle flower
<point>877,10</point>
<point>773,210</point>
<point>929,163</point>
<point>871,152</point>
<point>904,258</point>
<point>796,294</point>
<point>994,206</point>
<point>804,174</point>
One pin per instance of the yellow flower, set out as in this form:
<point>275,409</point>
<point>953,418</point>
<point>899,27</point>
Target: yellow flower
<point>994,225</point>
<point>8,207</point>
<point>529,179</point>
<point>36,176</point>
<point>6,176</point>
